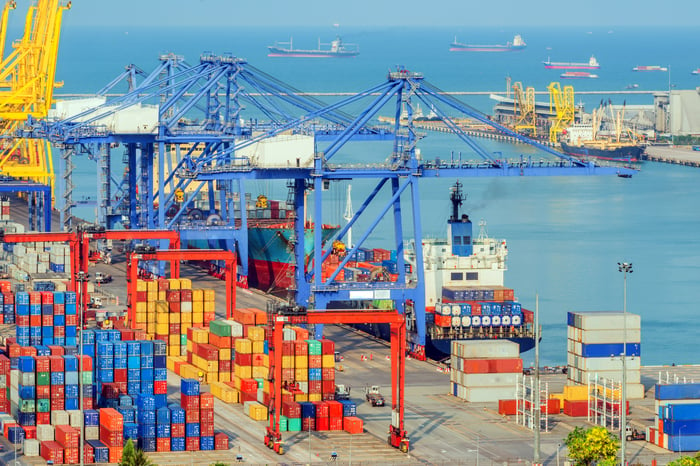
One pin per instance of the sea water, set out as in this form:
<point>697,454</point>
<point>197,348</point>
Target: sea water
<point>565,234</point>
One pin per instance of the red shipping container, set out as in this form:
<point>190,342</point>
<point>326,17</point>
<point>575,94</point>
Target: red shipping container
<point>163,444</point>
<point>315,361</point>
<point>207,415</point>
<point>23,321</point>
<point>247,396</point>
<point>29,432</point>
<point>287,348</point>
<point>291,410</point>
<point>328,386</point>
<point>258,360</point>
<point>34,297</point>
<point>27,351</point>
<point>71,455</point>
<point>58,404</point>
<point>225,365</point>
<point>287,398</point>
<point>508,407</point>
<point>42,363</point>
<point>115,454</point>
<point>308,423</point>
<point>88,403</point>
<point>111,438</point>
<point>43,418</point>
<point>321,409</point>
<point>191,415</point>
<point>52,451</point>
<point>174,307</point>
<point>174,329</point>
<point>353,425</point>
<point>59,310</point>
<point>4,364</point>
<point>186,296</point>
<point>59,331</point>
<point>189,402</point>
<point>6,428</point>
<point>335,423</point>
<point>327,346</point>
<point>46,297</point>
<point>163,284</point>
<point>206,429</point>
<point>335,409</point>
<point>315,386</point>
<point>160,387</point>
<point>141,296</point>
<point>88,454</point>
<point>177,430</point>
<point>120,375</point>
<point>47,320</point>
<point>87,363</point>
<point>219,342</point>
<point>57,363</point>
<point>576,408</point>
<point>328,373</point>
<point>243,359</point>
<point>287,375</point>
<point>301,348</point>
<point>35,321</point>
<point>192,443</point>
<point>172,296</point>
<point>322,424</point>
<point>443,321</point>
<point>111,419</point>
<point>249,385</point>
<point>553,406</point>
<point>206,401</point>
<point>221,441</point>
<point>67,436</point>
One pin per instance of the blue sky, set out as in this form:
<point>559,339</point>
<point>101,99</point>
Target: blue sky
<point>378,13</point>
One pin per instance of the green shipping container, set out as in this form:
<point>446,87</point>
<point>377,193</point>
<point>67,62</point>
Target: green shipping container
<point>314,347</point>
<point>219,328</point>
<point>27,406</point>
<point>43,406</point>
<point>43,378</point>
<point>87,377</point>
<point>283,423</point>
<point>294,425</point>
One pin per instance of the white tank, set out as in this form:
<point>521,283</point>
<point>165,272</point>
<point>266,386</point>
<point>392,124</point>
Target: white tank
<point>515,320</point>
<point>456,321</point>
<point>496,320</point>
<point>505,320</point>
<point>456,309</point>
<point>476,321</point>
<point>466,321</point>
<point>486,321</point>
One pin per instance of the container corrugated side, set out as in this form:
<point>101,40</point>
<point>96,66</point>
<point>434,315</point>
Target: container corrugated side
<point>677,391</point>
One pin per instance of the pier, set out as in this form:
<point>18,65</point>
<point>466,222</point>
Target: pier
<point>677,155</point>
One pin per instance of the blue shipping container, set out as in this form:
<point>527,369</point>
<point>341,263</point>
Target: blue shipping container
<point>677,391</point>
<point>604,350</point>
<point>682,412</point>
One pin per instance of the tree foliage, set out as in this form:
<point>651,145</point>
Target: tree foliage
<point>592,446</point>
<point>686,461</point>
<point>131,456</point>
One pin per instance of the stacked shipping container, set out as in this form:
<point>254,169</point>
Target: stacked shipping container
<point>677,417</point>
<point>45,317</point>
<point>485,370</point>
<point>595,348</point>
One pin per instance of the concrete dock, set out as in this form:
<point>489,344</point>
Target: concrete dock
<point>677,155</point>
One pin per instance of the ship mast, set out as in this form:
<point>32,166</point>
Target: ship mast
<point>457,198</point>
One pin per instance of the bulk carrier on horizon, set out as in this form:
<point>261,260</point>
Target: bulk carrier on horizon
<point>517,44</point>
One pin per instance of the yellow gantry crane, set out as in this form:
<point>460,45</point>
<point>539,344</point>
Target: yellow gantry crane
<point>525,117</point>
<point>562,103</point>
<point>27,77</point>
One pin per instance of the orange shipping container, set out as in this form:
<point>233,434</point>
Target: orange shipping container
<point>352,425</point>
<point>507,407</point>
<point>244,316</point>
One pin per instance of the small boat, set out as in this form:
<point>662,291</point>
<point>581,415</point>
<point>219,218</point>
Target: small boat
<point>592,64</point>
<point>335,49</point>
<point>650,68</point>
<point>632,86</point>
<point>578,74</point>
<point>695,71</point>
<point>517,44</point>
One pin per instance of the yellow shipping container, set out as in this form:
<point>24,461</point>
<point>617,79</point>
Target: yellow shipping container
<point>244,372</point>
<point>266,385</point>
<point>256,333</point>
<point>209,306</point>
<point>174,350</point>
<point>209,294</point>
<point>162,306</point>
<point>152,296</point>
<point>224,376</point>
<point>184,326</point>
<point>171,360</point>
<point>315,397</point>
<point>198,307</point>
<point>174,283</point>
<point>151,285</point>
<point>287,362</point>
<point>258,347</point>
<point>162,318</point>
<point>301,375</point>
<point>197,295</point>
<point>236,380</point>
<point>299,397</point>
<point>141,307</point>
<point>260,372</point>
<point>200,335</point>
<point>224,354</point>
<point>575,392</point>
<point>162,295</point>
<point>151,307</point>
<point>162,329</point>
<point>141,285</point>
<point>197,318</point>
<point>328,360</point>
<point>244,346</point>
<point>140,317</point>
<point>174,318</point>
<point>212,366</point>
<point>190,346</point>
<point>257,411</point>
<point>212,377</point>
<point>266,360</point>
<point>185,284</point>
<point>301,362</point>
<point>151,327</point>
<point>186,318</point>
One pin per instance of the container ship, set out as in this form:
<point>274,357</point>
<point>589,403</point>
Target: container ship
<point>623,151</point>
<point>578,75</point>
<point>517,44</point>
<point>592,64</point>
<point>650,68</point>
<point>336,48</point>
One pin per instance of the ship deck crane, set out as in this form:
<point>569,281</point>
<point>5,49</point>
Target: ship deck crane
<point>175,256</point>
<point>524,109</point>
<point>278,317</point>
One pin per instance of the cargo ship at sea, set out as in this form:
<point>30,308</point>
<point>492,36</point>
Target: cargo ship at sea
<point>650,68</point>
<point>584,141</point>
<point>517,44</point>
<point>578,75</point>
<point>592,64</point>
<point>336,48</point>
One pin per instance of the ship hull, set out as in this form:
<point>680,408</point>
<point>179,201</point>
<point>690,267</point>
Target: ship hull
<point>627,153</point>
<point>276,52</point>
<point>485,48</point>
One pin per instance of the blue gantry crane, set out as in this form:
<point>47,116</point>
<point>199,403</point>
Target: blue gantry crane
<point>208,114</point>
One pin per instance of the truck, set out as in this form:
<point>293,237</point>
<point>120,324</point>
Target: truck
<point>101,278</point>
<point>95,302</point>
<point>374,396</point>
<point>342,392</point>
<point>632,433</point>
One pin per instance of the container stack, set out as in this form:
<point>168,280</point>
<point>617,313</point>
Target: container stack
<point>677,417</point>
<point>166,308</point>
<point>465,313</point>
<point>595,346</point>
<point>29,259</point>
<point>485,370</point>
<point>46,318</point>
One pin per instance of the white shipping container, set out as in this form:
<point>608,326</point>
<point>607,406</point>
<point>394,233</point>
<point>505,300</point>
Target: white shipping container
<point>42,267</point>
<point>485,349</point>
<point>45,432</point>
<point>633,376</point>
<point>608,364</point>
<point>31,447</point>
<point>489,380</point>
<point>607,336</point>
<point>76,418</point>
<point>59,418</point>
<point>489,394</point>
<point>288,334</point>
<point>606,320</point>
<point>92,433</point>
<point>304,386</point>
<point>186,306</point>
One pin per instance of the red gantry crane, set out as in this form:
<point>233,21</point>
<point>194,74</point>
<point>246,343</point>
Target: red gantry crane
<point>149,253</point>
<point>280,316</point>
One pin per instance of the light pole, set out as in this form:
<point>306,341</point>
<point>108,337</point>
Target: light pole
<point>558,448</point>
<point>625,268</point>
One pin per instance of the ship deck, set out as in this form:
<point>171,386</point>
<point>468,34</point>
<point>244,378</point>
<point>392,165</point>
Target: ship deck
<point>443,429</point>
